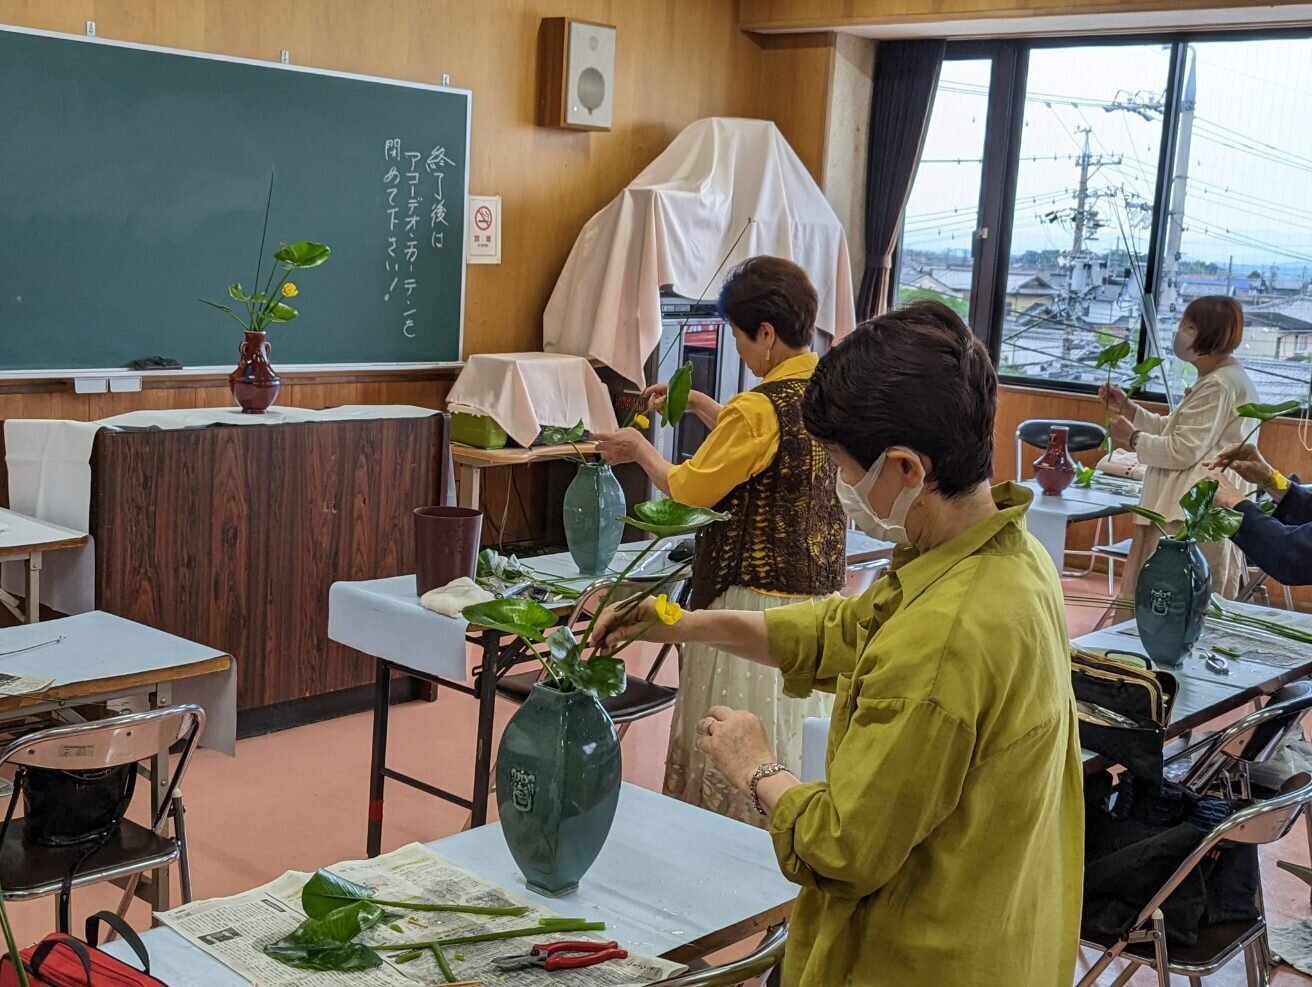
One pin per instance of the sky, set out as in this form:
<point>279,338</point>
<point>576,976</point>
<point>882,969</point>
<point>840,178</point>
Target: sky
<point>1249,193</point>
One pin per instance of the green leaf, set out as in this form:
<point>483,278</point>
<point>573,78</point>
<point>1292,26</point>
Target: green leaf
<point>1197,501</point>
<point>1084,475</point>
<point>666,518</point>
<point>524,618</point>
<point>281,312</point>
<point>303,255</point>
<point>235,292</point>
<point>340,925</point>
<point>1153,516</point>
<point>1112,356</point>
<point>325,892</point>
<point>336,956</point>
<point>600,676</point>
<point>1265,412</point>
<point>1267,507</point>
<point>1217,524</point>
<point>676,396</point>
<point>1142,372</point>
<point>563,645</point>
<point>558,435</point>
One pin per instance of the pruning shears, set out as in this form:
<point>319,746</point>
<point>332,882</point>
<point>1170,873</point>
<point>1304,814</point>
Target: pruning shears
<point>563,956</point>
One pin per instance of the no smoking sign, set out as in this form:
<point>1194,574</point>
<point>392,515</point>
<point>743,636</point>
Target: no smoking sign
<point>485,230</point>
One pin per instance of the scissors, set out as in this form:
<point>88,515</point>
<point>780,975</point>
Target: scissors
<point>1215,663</point>
<point>563,956</point>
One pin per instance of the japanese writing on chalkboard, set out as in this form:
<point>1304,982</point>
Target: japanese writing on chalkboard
<point>414,197</point>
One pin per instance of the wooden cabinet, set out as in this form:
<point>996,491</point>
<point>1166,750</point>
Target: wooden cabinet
<point>231,536</point>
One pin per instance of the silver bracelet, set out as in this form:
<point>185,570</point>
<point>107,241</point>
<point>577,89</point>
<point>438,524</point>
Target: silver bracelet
<point>761,773</point>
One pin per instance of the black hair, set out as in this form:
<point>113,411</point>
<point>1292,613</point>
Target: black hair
<point>773,290</point>
<point>916,377</point>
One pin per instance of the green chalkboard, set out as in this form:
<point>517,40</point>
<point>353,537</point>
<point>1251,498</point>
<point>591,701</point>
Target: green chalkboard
<point>133,182</point>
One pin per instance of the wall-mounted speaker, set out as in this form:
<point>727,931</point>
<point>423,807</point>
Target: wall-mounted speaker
<point>576,74</point>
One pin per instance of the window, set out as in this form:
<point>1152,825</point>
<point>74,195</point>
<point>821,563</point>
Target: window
<point>936,257</point>
<point>1128,177</point>
<point>1239,221</point>
<point>1083,207</point>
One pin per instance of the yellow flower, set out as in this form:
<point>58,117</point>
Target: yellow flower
<point>642,421</point>
<point>667,610</point>
<point>290,290</point>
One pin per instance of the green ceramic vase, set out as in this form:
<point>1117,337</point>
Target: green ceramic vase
<point>594,517</point>
<point>558,782</point>
<point>1170,600</point>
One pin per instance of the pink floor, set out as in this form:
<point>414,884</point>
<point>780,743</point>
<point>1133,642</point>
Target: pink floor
<point>296,800</point>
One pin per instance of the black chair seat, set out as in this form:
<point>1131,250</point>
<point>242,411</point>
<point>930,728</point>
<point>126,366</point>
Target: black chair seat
<point>1118,550</point>
<point>1216,946</point>
<point>640,698</point>
<point>31,871</point>
<point>1080,437</point>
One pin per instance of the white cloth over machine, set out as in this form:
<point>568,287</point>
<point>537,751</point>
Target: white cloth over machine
<point>721,182</point>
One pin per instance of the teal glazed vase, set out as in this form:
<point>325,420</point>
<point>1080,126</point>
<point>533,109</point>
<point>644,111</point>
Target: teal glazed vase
<point>594,517</point>
<point>558,782</point>
<point>1170,600</point>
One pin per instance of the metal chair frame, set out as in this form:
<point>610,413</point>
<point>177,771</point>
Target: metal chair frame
<point>764,958</point>
<point>1259,824</point>
<point>119,740</point>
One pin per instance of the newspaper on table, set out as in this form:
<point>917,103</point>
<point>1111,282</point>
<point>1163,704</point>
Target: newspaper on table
<point>23,685</point>
<point>235,930</point>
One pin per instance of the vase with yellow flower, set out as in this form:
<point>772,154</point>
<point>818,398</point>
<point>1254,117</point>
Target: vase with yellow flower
<point>254,383</point>
<point>559,764</point>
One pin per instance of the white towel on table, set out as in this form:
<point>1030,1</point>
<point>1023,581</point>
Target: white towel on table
<point>452,598</point>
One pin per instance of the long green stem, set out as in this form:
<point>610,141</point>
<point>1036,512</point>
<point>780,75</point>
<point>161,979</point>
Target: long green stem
<point>577,925</point>
<point>15,954</point>
<point>423,906</point>
<point>264,235</point>
<point>620,580</point>
<point>443,965</point>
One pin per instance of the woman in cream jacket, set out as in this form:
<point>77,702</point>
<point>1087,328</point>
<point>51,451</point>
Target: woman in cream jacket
<point>1175,447</point>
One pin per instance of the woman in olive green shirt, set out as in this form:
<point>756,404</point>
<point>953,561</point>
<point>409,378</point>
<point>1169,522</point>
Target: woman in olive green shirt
<point>945,847</point>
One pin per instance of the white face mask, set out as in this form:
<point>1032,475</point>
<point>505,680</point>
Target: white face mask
<point>856,501</point>
<point>1183,345</point>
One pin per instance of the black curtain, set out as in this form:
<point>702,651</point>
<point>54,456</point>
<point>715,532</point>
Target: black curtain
<point>906,75</point>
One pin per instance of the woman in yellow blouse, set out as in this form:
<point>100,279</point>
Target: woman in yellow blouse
<point>945,847</point>
<point>785,537</point>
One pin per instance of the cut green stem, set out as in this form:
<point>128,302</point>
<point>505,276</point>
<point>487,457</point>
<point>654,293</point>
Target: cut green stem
<point>443,965</point>
<point>421,906</point>
<point>560,925</point>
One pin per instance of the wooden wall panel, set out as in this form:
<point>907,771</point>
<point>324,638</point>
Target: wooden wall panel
<point>810,15</point>
<point>1279,441</point>
<point>794,73</point>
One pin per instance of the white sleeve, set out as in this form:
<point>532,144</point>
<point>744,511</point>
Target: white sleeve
<point>1193,433</point>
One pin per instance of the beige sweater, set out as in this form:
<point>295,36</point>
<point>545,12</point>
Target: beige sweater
<point>1175,446</point>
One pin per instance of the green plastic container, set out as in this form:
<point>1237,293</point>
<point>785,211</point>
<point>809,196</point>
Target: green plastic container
<point>477,430</point>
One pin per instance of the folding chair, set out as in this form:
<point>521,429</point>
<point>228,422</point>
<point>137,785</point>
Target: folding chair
<point>1254,584</point>
<point>642,697</point>
<point>764,958</point>
<point>30,871</point>
<point>1145,943</point>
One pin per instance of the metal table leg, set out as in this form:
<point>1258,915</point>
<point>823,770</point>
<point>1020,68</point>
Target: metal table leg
<point>487,702</point>
<point>382,706</point>
<point>32,604</point>
<point>158,891</point>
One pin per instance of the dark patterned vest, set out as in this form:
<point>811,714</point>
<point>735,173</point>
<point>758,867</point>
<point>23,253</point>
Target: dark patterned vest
<point>786,529</point>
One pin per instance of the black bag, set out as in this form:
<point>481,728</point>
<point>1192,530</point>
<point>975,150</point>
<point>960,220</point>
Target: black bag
<point>1123,709</point>
<point>64,808</point>
<point>1136,834</point>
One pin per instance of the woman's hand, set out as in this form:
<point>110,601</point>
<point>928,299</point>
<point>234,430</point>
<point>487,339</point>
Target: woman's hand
<point>653,398</point>
<point>621,623</point>
<point>735,742</point>
<point>1122,430</point>
<point>1245,460</point>
<point>625,446</point>
<point>1116,401</point>
<point>1227,494</point>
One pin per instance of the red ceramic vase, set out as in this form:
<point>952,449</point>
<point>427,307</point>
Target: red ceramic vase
<point>254,383</point>
<point>1055,470</point>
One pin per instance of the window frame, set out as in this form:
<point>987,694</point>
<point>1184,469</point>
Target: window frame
<point>1001,167</point>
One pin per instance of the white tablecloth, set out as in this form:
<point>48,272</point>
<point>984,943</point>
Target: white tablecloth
<point>99,645</point>
<point>523,392</point>
<point>383,618</point>
<point>50,478</point>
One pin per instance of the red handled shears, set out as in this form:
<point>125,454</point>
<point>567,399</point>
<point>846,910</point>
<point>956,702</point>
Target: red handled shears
<point>563,956</point>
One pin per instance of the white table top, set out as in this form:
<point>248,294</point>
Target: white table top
<point>20,533</point>
<point>1079,501</point>
<point>97,646</point>
<point>669,875</point>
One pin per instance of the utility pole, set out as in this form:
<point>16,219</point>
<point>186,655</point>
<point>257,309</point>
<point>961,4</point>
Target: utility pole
<point>1179,188</point>
<point>1076,283</point>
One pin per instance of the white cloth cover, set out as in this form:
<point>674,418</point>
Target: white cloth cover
<point>451,599</point>
<point>1123,463</point>
<point>523,392</point>
<point>49,465</point>
<point>383,618</point>
<point>674,225</point>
